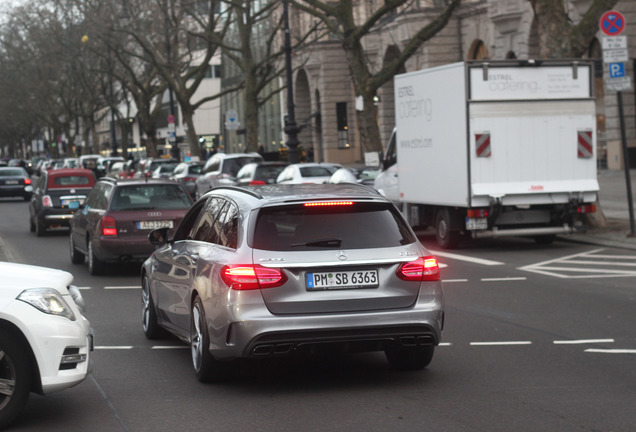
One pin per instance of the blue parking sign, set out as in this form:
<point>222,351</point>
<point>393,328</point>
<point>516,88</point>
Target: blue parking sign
<point>617,70</point>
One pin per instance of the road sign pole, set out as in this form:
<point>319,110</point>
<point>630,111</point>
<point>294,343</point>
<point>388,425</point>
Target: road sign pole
<point>628,180</point>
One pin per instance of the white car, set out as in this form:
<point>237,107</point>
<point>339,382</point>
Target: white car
<point>311,172</point>
<point>45,339</point>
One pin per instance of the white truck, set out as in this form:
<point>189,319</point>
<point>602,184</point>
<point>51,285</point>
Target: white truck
<point>494,148</point>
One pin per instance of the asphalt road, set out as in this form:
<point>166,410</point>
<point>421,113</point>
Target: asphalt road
<point>537,338</point>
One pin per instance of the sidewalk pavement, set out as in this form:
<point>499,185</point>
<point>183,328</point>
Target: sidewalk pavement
<point>616,229</point>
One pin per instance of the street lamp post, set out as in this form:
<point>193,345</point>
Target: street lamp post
<point>291,128</point>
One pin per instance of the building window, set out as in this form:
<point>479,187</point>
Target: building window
<point>342,124</point>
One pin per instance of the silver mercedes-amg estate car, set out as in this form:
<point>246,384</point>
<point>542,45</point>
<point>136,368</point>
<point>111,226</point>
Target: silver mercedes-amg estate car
<point>262,271</point>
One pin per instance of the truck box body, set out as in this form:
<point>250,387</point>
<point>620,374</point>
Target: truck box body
<point>512,137</point>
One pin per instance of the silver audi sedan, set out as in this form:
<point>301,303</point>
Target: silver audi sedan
<point>265,271</point>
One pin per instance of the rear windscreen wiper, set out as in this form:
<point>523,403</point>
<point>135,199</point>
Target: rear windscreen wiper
<point>333,242</point>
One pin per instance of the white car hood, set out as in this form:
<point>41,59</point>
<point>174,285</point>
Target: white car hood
<point>15,278</point>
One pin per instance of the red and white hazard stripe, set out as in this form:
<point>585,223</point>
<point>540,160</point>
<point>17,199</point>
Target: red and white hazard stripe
<point>585,144</point>
<point>482,144</point>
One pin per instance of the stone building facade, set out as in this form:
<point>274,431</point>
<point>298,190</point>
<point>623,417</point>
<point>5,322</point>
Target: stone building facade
<point>479,29</point>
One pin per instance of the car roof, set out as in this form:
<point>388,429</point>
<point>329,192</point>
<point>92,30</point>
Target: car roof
<point>289,193</point>
<point>137,181</point>
<point>64,172</point>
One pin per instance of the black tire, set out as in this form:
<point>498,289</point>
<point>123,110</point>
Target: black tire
<point>446,237</point>
<point>76,256</point>
<point>31,224</point>
<point>15,372</point>
<point>410,359</point>
<point>95,266</point>
<point>545,239</point>
<point>40,228</point>
<point>149,323</point>
<point>206,367</point>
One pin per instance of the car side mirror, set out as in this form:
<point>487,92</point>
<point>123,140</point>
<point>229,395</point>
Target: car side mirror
<point>159,236</point>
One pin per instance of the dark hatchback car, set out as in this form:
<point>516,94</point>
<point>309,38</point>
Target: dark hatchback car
<point>15,182</point>
<point>114,222</point>
<point>56,196</point>
<point>264,271</point>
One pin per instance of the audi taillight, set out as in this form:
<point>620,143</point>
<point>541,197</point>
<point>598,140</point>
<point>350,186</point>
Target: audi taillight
<point>189,179</point>
<point>27,181</point>
<point>422,269</point>
<point>108,225</point>
<point>257,182</point>
<point>250,277</point>
<point>47,201</point>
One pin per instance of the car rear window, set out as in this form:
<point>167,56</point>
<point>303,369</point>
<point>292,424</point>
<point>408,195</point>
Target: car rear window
<point>268,172</point>
<point>232,166</point>
<point>355,226</point>
<point>12,173</point>
<point>315,172</point>
<point>195,169</point>
<point>150,197</point>
<point>59,182</point>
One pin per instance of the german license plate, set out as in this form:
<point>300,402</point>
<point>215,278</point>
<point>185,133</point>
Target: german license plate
<point>11,182</point>
<point>476,223</point>
<point>342,280</point>
<point>150,225</point>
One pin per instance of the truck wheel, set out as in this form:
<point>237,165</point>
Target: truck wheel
<point>446,237</point>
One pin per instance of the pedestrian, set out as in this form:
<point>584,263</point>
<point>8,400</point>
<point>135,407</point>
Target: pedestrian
<point>310,154</point>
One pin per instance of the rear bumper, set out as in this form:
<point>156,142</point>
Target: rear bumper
<point>52,216</point>
<point>15,191</point>
<point>116,249</point>
<point>253,331</point>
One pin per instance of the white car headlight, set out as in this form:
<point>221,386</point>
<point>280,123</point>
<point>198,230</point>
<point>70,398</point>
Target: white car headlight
<point>48,301</point>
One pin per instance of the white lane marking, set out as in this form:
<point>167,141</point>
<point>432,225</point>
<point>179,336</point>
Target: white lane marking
<point>503,343</point>
<point>163,347</point>
<point>611,351</point>
<point>445,344</point>
<point>454,280</point>
<point>502,279</point>
<point>582,341</point>
<point>84,288</point>
<point>122,287</point>
<point>114,347</point>
<point>442,265</point>
<point>465,258</point>
<point>586,265</point>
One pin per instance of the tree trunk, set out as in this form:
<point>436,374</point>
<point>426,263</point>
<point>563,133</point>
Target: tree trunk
<point>193,139</point>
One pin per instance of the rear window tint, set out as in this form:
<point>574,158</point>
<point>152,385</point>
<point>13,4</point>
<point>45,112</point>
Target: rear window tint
<point>70,181</point>
<point>195,169</point>
<point>233,165</point>
<point>268,172</point>
<point>358,226</point>
<point>315,172</point>
<point>150,197</point>
<point>13,173</point>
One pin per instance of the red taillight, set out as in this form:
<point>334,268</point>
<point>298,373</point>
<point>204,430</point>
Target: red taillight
<point>190,179</point>
<point>328,203</point>
<point>46,201</point>
<point>257,182</point>
<point>27,181</point>
<point>422,269</point>
<point>477,213</point>
<point>587,208</point>
<point>249,277</point>
<point>109,227</point>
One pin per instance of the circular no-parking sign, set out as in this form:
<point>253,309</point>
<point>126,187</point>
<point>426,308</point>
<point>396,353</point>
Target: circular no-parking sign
<point>612,23</point>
